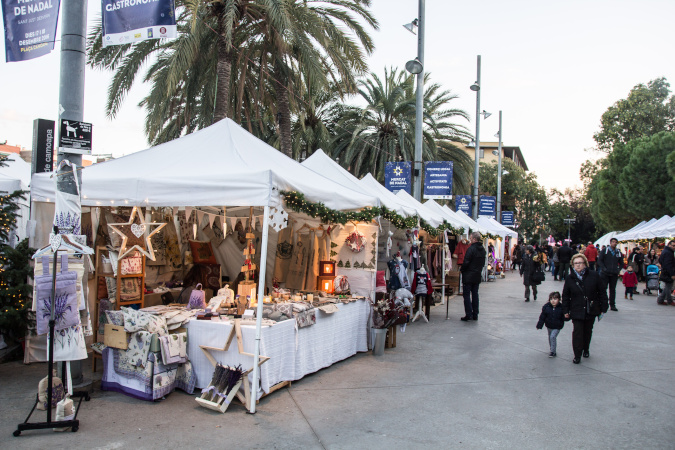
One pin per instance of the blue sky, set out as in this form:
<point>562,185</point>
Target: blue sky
<point>552,67</point>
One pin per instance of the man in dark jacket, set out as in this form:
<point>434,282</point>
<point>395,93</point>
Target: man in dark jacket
<point>610,263</point>
<point>667,262</point>
<point>564,256</point>
<point>472,272</point>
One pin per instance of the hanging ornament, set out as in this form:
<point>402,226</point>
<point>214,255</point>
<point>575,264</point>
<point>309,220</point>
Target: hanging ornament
<point>134,235</point>
<point>278,218</point>
<point>356,241</point>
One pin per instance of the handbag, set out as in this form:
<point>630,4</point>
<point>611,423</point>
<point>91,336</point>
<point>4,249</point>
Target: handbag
<point>538,276</point>
<point>197,298</point>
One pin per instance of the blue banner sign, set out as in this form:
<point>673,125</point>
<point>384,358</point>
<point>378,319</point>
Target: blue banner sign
<point>397,176</point>
<point>508,218</point>
<point>128,21</point>
<point>463,203</point>
<point>438,179</point>
<point>30,28</point>
<point>486,206</point>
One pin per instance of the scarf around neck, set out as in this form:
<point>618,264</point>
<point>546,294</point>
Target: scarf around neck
<point>579,275</point>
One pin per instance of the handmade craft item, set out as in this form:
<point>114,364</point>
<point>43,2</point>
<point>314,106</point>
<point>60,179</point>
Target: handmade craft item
<point>133,234</point>
<point>356,241</point>
<point>197,298</point>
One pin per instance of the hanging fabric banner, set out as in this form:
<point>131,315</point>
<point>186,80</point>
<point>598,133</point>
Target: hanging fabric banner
<point>30,28</point>
<point>129,21</point>
<point>397,176</point>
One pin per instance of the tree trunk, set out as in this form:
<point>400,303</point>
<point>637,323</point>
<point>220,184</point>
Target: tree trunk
<point>284,118</point>
<point>223,71</point>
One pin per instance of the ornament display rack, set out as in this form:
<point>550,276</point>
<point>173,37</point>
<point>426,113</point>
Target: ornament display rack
<point>73,423</point>
<point>100,273</point>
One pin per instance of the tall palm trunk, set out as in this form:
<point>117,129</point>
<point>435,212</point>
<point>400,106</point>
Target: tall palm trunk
<point>223,70</point>
<point>284,106</point>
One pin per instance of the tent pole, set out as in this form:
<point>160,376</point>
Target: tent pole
<point>259,312</point>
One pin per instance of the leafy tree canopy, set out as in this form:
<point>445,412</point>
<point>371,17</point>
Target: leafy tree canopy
<point>646,111</point>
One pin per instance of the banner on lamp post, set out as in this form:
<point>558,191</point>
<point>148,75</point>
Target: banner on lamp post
<point>463,203</point>
<point>438,179</point>
<point>508,218</point>
<point>30,28</point>
<point>42,159</point>
<point>397,176</point>
<point>129,21</point>
<point>486,206</point>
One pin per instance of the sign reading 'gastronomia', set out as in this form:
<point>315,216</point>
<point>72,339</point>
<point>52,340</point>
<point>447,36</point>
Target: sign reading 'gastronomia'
<point>128,21</point>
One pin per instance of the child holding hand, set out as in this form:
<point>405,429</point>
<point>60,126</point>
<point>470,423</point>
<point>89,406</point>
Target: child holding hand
<point>552,316</point>
<point>629,280</point>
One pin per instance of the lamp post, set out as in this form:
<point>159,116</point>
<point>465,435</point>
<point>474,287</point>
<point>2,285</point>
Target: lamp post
<point>476,87</point>
<point>416,67</point>
<point>569,223</point>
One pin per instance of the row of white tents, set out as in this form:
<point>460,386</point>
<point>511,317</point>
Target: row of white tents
<point>663,228</point>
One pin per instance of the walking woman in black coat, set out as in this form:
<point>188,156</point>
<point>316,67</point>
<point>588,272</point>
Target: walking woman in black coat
<point>527,269</point>
<point>584,298</point>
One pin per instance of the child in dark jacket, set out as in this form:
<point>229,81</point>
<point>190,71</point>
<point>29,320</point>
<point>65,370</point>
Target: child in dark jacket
<point>629,280</point>
<point>552,316</point>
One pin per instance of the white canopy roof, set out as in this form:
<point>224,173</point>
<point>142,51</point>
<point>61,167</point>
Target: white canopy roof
<point>666,230</point>
<point>219,165</point>
<point>15,175</point>
<point>645,230</point>
<point>497,227</point>
<point>449,215</point>
<point>471,224</point>
<point>321,163</point>
<point>431,217</point>
<point>604,240</point>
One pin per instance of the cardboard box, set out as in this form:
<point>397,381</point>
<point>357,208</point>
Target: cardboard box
<point>115,336</point>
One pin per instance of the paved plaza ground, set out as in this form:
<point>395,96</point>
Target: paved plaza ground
<point>447,384</point>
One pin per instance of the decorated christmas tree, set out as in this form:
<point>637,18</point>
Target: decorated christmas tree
<point>15,292</point>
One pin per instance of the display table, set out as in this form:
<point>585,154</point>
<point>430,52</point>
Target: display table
<point>293,353</point>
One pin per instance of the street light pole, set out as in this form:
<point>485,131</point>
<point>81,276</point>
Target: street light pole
<point>569,223</point>
<point>476,87</point>
<point>499,172</point>
<point>419,105</point>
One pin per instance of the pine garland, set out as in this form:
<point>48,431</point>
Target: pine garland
<point>296,202</point>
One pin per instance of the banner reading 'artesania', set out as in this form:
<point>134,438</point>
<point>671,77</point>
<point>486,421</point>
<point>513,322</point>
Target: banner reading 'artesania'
<point>30,28</point>
<point>128,21</point>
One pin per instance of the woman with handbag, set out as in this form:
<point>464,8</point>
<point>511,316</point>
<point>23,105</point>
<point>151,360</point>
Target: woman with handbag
<point>584,298</point>
<point>528,267</point>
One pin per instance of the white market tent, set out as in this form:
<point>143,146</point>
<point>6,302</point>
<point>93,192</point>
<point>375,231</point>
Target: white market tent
<point>221,165</point>
<point>449,215</point>
<point>432,218</point>
<point>647,230</point>
<point>497,227</point>
<point>667,230</point>
<point>604,240</point>
<point>322,164</point>
<point>15,176</point>
<point>470,223</point>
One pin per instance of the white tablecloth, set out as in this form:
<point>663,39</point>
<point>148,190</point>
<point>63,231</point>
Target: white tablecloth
<point>293,354</point>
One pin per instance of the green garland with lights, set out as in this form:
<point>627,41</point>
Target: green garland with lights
<point>296,202</point>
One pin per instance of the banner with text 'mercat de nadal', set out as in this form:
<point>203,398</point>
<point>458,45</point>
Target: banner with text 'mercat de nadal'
<point>30,28</point>
<point>128,21</point>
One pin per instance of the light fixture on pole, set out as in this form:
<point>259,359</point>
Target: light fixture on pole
<point>411,26</point>
<point>416,67</point>
<point>569,223</point>
<point>476,88</point>
<point>486,114</point>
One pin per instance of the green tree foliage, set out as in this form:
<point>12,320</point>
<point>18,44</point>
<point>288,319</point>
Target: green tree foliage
<point>647,189</point>
<point>646,111</point>
<point>521,193</point>
<point>384,129</point>
<point>572,203</point>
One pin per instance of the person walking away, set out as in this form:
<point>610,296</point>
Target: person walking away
<point>472,272</point>
<point>584,298</point>
<point>556,263</point>
<point>517,256</point>
<point>527,269</point>
<point>564,257</point>
<point>630,281</point>
<point>610,262</point>
<point>553,317</point>
<point>592,255</point>
<point>667,262</point>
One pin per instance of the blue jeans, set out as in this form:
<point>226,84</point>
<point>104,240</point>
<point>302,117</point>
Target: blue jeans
<point>470,299</point>
<point>552,338</point>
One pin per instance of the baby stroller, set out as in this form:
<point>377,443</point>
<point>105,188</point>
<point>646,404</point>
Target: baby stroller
<point>652,279</point>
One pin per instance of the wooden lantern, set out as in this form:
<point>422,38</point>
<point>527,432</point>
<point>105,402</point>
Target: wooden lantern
<point>327,268</point>
<point>325,284</point>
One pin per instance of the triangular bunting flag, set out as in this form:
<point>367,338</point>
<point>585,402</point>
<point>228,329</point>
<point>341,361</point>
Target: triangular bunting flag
<point>212,217</point>
<point>175,211</point>
<point>188,213</point>
<point>233,222</point>
<point>200,217</point>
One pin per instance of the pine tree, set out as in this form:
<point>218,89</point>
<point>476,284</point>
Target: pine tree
<point>15,292</point>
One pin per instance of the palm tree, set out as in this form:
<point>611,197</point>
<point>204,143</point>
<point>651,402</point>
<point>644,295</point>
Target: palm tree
<point>248,68</point>
<point>384,130</point>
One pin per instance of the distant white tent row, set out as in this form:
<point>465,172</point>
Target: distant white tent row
<point>15,176</point>
<point>652,229</point>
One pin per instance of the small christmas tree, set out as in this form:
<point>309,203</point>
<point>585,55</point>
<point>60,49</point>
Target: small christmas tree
<point>15,292</point>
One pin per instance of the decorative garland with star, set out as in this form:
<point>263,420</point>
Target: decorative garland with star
<point>296,202</point>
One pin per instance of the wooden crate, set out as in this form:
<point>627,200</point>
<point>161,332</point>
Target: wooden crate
<point>114,336</point>
<point>221,403</point>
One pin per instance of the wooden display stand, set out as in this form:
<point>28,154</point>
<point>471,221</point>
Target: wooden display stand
<point>390,339</point>
<point>221,403</point>
<point>101,273</point>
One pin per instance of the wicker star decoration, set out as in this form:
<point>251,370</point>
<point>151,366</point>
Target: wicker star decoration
<point>136,234</point>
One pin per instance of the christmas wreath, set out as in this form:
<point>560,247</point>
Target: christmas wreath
<point>356,241</point>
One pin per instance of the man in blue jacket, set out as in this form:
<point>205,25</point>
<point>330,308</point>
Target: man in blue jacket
<point>610,262</point>
<point>472,272</point>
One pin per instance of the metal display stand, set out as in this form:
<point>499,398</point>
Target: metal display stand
<point>73,423</point>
